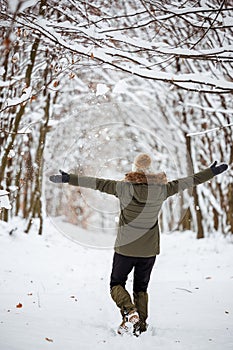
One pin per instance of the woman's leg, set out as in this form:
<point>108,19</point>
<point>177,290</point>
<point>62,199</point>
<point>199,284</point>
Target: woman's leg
<point>142,274</point>
<point>122,266</point>
<point>141,303</point>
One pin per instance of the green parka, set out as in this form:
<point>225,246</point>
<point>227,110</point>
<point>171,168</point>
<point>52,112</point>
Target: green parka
<point>140,204</point>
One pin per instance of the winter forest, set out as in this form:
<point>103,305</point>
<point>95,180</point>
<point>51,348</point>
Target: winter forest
<point>85,86</point>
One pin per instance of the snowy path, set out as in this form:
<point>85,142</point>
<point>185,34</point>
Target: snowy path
<point>64,292</point>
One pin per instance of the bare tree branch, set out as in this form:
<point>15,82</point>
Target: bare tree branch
<point>211,25</point>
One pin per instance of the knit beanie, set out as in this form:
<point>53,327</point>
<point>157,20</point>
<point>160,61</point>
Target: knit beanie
<point>142,163</point>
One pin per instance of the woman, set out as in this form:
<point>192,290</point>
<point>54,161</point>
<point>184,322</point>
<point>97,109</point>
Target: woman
<point>141,196</point>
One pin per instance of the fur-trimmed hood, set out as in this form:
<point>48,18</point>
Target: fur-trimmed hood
<point>141,178</point>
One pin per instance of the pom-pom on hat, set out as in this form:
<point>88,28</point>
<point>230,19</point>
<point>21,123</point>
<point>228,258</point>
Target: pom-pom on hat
<point>142,163</point>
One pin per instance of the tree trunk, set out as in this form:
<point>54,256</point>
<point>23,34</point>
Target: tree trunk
<point>35,210</point>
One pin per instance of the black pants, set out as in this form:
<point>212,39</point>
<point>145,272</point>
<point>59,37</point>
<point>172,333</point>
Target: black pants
<point>123,265</point>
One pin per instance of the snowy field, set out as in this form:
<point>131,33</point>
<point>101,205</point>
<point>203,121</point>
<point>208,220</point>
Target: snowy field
<point>55,294</point>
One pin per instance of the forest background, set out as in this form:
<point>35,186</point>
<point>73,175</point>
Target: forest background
<point>86,85</point>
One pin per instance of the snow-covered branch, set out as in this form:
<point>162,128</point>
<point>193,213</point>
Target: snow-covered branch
<point>133,63</point>
<point>209,130</point>
<point>4,200</point>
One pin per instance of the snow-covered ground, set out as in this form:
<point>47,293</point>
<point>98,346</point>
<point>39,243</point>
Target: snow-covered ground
<point>54,294</point>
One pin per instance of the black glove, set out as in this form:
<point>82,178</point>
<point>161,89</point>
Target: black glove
<point>218,169</point>
<point>58,179</point>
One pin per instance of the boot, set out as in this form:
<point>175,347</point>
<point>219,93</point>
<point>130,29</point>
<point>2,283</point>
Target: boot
<point>128,311</point>
<point>128,323</point>
<point>122,299</point>
<point>141,304</point>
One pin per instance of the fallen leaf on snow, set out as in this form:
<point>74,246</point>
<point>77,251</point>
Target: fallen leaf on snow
<point>50,340</point>
<point>19,305</point>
